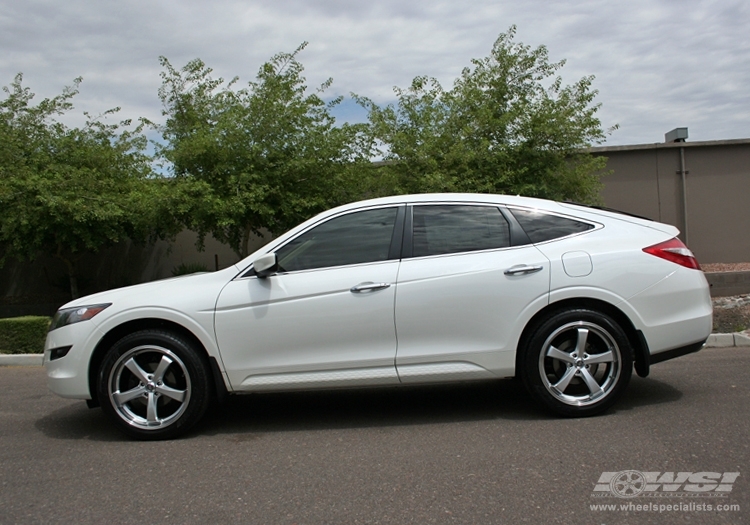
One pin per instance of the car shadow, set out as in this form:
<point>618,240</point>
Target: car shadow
<point>402,406</point>
<point>246,417</point>
<point>647,391</point>
<point>76,421</point>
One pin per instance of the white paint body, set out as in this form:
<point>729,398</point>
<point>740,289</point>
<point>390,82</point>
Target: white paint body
<point>440,318</point>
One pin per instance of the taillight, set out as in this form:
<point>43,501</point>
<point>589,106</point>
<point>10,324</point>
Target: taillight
<point>674,250</point>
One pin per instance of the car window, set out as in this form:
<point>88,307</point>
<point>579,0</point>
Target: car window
<point>542,227</point>
<point>441,229</point>
<point>355,238</point>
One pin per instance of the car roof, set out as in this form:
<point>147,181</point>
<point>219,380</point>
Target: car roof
<point>511,200</point>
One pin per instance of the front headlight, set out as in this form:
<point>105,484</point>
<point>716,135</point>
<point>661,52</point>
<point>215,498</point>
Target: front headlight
<point>66,316</point>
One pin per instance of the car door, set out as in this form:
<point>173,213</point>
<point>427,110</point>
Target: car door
<point>325,318</point>
<point>466,288</point>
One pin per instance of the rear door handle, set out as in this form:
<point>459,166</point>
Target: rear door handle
<point>523,269</point>
<point>369,287</point>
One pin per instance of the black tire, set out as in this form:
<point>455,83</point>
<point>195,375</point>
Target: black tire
<point>154,385</point>
<point>576,385</point>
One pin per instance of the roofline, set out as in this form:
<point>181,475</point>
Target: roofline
<point>669,145</point>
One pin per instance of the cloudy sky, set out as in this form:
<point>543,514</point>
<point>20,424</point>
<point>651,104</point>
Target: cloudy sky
<point>659,64</point>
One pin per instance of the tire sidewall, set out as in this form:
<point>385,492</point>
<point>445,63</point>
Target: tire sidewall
<point>195,365</point>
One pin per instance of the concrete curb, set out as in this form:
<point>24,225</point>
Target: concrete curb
<point>714,341</point>
<point>21,359</point>
<point>728,340</point>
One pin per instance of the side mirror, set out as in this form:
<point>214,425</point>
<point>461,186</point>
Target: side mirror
<point>265,265</point>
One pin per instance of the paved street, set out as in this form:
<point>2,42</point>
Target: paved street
<point>479,453</point>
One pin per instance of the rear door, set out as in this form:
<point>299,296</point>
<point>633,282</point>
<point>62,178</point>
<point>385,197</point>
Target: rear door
<point>466,288</point>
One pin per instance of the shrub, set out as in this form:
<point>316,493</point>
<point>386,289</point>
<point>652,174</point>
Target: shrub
<point>185,269</point>
<point>23,335</point>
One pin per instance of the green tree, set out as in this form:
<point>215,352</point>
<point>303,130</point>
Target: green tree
<point>508,125</point>
<point>260,158</point>
<point>65,191</point>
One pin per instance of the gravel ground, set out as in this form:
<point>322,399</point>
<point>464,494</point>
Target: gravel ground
<point>731,314</point>
<point>726,267</point>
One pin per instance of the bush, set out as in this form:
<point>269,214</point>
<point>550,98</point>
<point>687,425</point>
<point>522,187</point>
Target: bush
<point>23,335</point>
<point>185,269</point>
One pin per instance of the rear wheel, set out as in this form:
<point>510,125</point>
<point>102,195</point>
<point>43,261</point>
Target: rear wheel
<point>154,385</point>
<point>577,363</point>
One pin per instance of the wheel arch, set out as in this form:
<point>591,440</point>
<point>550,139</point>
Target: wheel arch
<point>635,337</point>
<point>152,323</point>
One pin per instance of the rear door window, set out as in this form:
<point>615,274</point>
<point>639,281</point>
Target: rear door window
<point>444,229</point>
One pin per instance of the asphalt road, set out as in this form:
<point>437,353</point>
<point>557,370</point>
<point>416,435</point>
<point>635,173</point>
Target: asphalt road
<point>475,453</point>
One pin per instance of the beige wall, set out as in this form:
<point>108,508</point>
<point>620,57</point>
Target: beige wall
<point>645,180</point>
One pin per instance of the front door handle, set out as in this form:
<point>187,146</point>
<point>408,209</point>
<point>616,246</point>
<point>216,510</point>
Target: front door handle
<point>369,287</point>
<point>523,269</point>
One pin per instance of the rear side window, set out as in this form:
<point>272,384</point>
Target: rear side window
<point>442,229</point>
<point>355,238</point>
<point>542,227</point>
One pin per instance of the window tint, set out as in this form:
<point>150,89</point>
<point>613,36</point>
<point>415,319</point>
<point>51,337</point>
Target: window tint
<point>542,227</point>
<point>359,237</point>
<point>454,229</point>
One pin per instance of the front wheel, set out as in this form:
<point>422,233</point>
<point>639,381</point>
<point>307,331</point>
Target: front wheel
<point>154,385</point>
<point>577,363</point>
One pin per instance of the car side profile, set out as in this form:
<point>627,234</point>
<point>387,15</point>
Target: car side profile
<point>395,291</point>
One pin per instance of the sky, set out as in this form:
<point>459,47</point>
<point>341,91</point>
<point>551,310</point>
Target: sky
<point>658,64</point>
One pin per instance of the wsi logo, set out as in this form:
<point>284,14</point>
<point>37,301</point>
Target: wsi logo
<point>632,483</point>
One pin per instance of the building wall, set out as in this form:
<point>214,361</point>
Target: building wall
<point>645,180</point>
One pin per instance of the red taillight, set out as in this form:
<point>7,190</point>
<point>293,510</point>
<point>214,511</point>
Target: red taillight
<point>674,250</point>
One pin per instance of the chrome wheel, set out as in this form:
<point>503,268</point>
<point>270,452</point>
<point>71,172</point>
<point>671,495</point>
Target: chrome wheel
<point>154,384</point>
<point>577,362</point>
<point>580,363</point>
<point>149,387</point>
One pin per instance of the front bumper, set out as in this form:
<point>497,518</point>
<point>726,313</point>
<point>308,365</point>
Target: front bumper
<point>68,376</point>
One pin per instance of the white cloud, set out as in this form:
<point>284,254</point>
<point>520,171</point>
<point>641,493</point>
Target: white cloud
<point>658,64</point>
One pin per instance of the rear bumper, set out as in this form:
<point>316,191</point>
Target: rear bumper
<point>644,359</point>
<point>674,314</point>
<point>676,352</point>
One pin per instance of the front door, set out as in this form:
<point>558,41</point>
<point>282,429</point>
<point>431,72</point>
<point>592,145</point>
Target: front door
<point>325,318</point>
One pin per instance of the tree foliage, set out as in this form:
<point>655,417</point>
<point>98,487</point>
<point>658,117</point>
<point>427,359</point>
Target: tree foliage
<point>263,157</point>
<point>65,191</point>
<point>508,125</point>
<point>254,159</point>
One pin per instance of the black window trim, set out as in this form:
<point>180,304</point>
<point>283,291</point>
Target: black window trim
<point>518,236</point>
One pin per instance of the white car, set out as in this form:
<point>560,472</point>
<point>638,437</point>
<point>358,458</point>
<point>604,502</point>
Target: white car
<point>395,291</point>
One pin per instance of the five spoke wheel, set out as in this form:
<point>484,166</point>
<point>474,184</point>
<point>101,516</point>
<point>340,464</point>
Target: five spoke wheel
<point>149,386</point>
<point>577,362</point>
<point>154,384</point>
